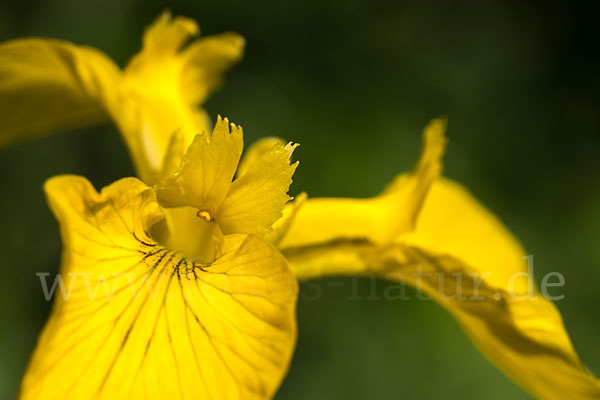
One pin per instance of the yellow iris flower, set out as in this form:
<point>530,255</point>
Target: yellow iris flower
<point>200,260</point>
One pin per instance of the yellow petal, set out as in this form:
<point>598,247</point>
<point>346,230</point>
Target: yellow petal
<point>141,321</point>
<point>162,85</point>
<point>257,198</point>
<point>455,243</point>
<point>462,256</point>
<point>49,85</point>
<point>207,170</point>
<point>380,219</point>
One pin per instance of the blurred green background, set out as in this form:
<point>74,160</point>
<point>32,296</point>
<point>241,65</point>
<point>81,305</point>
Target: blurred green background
<point>355,82</point>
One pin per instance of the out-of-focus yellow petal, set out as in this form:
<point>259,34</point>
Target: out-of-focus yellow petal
<point>166,36</point>
<point>141,321</point>
<point>256,199</point>
<point>206,172</point>
<point>380,219</point>
<point>49,85</point>
<point>163,85</point>
<point>205,60</point>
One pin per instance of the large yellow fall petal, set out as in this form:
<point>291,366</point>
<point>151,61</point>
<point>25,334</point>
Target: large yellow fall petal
<point>204,177</point>
<point>256,199</point>
<point>380,219</point>
<point>141,321</point>
<point>49,85</point>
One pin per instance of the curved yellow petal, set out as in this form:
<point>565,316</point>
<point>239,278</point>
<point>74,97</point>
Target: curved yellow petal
<point>205,175</point>
<point>380,219</point>
<point>256,199</point>
<point>138,320</point>
<point>462,256</point>
<point>456,251</point>
<point>49,85</point>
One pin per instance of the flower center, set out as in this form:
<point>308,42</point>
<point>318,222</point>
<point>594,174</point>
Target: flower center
<point>193,232</point>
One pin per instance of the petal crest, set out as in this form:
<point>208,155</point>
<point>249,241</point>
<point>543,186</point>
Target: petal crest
<point>207,170</point>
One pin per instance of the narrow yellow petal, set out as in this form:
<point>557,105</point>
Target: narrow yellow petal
<point>49,85</point>
<point>380,219</point>
<point>139,320</point>
<point>257,198</point>
<point>207,170</point>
